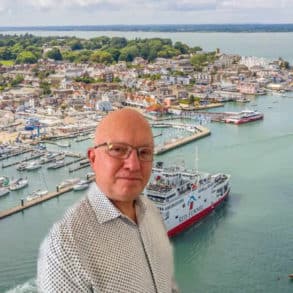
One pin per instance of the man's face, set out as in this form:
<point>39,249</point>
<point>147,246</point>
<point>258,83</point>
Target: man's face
<point>122,180</point>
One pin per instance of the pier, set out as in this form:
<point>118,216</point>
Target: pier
<point>28,204</point>
<point>23,160</point>
<point>202,132</point>
<point>16,153</point>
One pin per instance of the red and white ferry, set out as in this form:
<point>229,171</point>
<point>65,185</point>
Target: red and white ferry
<point>244,117</point>
<point>185,197</point>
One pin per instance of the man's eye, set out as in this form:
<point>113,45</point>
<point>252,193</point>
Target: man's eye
<point>118,149</point>
<point>145,152</point>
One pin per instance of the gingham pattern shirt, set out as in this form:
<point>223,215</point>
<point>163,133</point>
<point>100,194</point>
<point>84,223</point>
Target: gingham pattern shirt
<point>95,248</point>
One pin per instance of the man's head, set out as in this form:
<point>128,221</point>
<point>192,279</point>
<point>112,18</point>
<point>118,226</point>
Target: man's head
<point>122,179</point>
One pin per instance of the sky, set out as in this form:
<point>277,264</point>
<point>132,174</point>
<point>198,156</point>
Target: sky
<point>105,12</point>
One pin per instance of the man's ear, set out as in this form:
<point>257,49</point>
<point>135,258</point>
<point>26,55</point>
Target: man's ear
<point>91,155</point>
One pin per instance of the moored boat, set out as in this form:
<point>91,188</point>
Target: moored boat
<point>4,181</point>
<point>18,184</point>
<point>63,144</point>
<point>4,191</point>
<point>21,166</point>
<point>34,165</point>
<point>36,194</point>
<point>81,185</point>
<point>68,182</point>
<point>185,197</point>
<point>56,164</point>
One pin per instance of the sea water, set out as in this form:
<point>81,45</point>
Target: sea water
<point>246,246</point>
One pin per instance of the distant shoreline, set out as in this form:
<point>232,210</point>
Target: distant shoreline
<point>245,28</point>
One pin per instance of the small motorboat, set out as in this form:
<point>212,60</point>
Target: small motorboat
<point>33,166</point>
<point>36,194</point>
<point>4,191</point>
<point>68,182</point>
<point>81,185</point>
<point>4,181</point>
<point>21,166</point>
<point>56,164</point>
<point>290,276</point>
<point>18,184</point>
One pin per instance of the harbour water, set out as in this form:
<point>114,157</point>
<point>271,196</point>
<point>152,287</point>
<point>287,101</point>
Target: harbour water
<point>244,247</point>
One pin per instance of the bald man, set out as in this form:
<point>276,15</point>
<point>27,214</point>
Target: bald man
<point>114,239</point>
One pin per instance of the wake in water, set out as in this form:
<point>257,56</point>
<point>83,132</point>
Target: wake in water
<point>28,287</point>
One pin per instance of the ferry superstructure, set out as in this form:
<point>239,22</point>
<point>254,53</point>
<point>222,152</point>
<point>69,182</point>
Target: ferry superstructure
<point>185,197</point>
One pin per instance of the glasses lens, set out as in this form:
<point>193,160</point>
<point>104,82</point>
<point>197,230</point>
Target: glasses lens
<point>118,150</point>
<point>145,154</point>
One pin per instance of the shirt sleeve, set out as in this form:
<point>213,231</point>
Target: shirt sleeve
<point>59,269</point>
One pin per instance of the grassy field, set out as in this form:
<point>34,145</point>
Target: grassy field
<point>7,62</point>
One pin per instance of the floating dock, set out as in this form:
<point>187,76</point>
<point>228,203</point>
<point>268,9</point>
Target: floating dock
<point>202,132</point>
<point>27,204</point>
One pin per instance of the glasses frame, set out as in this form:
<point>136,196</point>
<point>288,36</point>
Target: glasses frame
<point>130,149</point>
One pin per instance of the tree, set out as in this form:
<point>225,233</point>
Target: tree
<point>129,53</point>
<point>19,78</point>
<point>184,49</point>
<point>118,42</point>
<point>115,53</point>
<point>54,54</point>
<point>26,57</point>
<point>102,57</point>
<point>168,52</point>
<point>45,86</point>
<point>76,45</point>
<point>70,56</point>
<point>191,99</point>
<point>5,53</point>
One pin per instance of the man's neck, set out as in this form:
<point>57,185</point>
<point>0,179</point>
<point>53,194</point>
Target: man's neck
<point>126,208</point>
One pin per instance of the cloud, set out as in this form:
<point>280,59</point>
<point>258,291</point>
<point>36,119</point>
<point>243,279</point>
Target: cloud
<point>159,5</point>
<point>83,12</point>
<point>175,5</point>
<point>254,4</point>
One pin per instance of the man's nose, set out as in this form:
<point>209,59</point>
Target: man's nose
<point>132,162</point>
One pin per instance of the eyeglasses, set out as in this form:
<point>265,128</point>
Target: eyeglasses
<point>123,150</point>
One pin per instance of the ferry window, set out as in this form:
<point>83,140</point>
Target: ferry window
<point>205,200</point>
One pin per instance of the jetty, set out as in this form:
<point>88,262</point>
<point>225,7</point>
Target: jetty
<point>28,204</point>
<point>36,156</point>
<point>202,132</point>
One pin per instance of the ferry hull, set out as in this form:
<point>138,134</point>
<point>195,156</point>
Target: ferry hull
<point>197,217</point>
<point>249,120</point>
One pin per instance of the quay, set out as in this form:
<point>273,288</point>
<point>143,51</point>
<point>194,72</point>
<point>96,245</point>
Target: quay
<point>202,132</point>
<point>79,167</point>
<point>23,160</point>
<point>28,204</point>
<point>17,153</point>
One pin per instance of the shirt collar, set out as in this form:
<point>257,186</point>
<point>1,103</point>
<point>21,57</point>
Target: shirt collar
<point>105,210</point>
